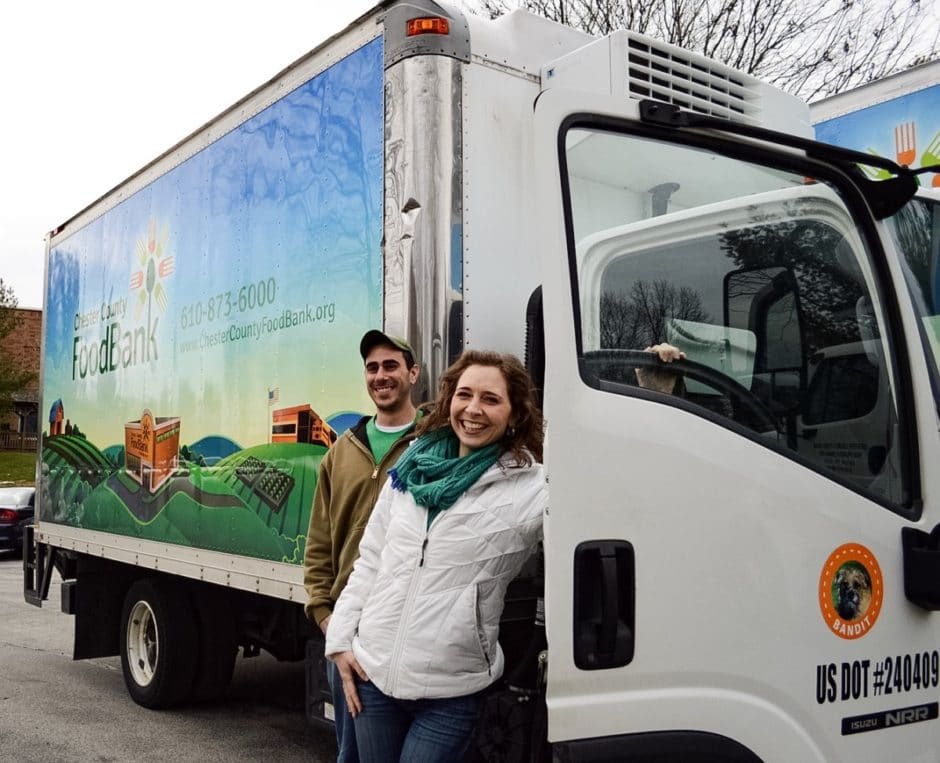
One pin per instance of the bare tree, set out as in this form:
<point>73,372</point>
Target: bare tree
<point>829,290</point>
<point>808,49</point>
<point>639,319</point>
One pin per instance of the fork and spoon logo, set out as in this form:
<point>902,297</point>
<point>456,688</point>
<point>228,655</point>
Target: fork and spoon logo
<point>905,144</point>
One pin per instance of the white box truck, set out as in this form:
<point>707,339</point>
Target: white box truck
<point>743,569</point>
<point>896,116</point>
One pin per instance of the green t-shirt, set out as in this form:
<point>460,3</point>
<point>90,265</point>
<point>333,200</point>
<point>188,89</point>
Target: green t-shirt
<point>382,440</point>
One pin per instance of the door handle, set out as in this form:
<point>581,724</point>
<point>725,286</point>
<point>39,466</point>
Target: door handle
<point>604,604</point>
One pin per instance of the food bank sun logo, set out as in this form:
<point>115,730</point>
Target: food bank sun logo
<point>122,346</point>
<point>851,591</point>
<point>156,264</point>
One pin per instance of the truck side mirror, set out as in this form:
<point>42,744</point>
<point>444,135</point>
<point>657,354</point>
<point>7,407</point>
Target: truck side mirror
<point>922,567</point>
<point>766,302</point>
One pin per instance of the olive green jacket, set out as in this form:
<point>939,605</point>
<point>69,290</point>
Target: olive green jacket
<point>347,488</point>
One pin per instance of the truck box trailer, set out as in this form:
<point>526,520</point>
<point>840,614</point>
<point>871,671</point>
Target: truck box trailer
<point>744,568</point>
<point>896,116</point>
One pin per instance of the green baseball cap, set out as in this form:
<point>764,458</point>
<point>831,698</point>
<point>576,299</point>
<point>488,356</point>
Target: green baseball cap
<point>373,338</point>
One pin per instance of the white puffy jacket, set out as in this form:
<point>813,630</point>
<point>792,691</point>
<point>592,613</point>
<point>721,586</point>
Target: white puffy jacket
<point>422,606</point>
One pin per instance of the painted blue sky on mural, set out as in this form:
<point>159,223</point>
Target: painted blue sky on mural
<point>238,271</point>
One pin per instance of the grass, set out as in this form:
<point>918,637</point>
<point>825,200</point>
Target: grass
<point>17,467</point>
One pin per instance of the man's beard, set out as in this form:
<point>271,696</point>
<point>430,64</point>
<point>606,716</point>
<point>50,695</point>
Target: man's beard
<point>392,403</point>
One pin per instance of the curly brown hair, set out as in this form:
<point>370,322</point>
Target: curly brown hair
<point>525,432</point>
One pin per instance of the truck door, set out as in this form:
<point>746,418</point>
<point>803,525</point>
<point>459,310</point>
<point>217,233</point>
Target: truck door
<point>724,564</point>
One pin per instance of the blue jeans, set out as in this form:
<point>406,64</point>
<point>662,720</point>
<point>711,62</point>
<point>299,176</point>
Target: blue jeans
<point>414,730</point>
<point>347,752</point>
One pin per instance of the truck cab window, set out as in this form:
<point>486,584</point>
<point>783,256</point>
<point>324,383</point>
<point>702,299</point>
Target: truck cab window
<point>758,275</point>
<point>916,232</point>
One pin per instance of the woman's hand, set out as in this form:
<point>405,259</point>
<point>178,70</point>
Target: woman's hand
<point>349,668</point>
<point>654,379</point>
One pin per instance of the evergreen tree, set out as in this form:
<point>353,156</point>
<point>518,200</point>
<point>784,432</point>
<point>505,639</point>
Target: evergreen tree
<point>12,377</point>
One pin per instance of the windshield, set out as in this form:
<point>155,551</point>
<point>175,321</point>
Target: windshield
<point>916,232</point>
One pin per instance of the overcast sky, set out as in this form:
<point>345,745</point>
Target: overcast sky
<point>91,91</point>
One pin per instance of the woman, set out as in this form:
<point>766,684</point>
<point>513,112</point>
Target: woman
<point>414,633</point>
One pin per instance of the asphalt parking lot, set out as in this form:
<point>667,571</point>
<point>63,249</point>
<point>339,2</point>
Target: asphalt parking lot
<point>55,709</point>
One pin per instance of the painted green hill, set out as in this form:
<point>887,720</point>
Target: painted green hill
<point>254,503</point>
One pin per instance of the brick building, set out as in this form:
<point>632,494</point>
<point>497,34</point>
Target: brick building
<point>23,345</point>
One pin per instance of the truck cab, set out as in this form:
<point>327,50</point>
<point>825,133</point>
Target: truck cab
<point>731,565</point>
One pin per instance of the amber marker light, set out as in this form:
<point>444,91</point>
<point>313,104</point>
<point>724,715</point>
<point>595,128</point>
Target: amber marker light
<point>427,25</point>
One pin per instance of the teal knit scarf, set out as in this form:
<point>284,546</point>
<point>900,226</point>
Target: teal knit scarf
<point>433,472</point>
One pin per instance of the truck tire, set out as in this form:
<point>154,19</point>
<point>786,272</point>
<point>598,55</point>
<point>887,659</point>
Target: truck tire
<point>218,645</point>
<point>159,643</point>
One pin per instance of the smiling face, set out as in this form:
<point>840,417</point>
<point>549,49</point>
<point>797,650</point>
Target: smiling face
<point>389,381</point>
<point>480,410</point>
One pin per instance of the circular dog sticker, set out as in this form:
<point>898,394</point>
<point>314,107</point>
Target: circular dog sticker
<point>851,591</point>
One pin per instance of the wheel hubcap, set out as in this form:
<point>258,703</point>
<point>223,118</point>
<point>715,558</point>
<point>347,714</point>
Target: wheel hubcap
<point>142,643</point>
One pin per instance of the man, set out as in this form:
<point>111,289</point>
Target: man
<point>351,475</point>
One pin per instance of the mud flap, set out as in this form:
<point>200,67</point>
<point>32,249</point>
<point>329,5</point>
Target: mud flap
<point>38,563</point>
<point>318,705</point>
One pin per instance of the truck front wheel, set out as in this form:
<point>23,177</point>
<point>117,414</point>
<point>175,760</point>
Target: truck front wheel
<point>159,643</point>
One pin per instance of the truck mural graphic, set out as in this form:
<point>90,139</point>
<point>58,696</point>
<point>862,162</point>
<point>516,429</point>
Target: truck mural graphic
<point>255,502</point>
<point>151,449</point>
<point>897,117</point>
<point>300,423</point>
<point>171,332</point>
